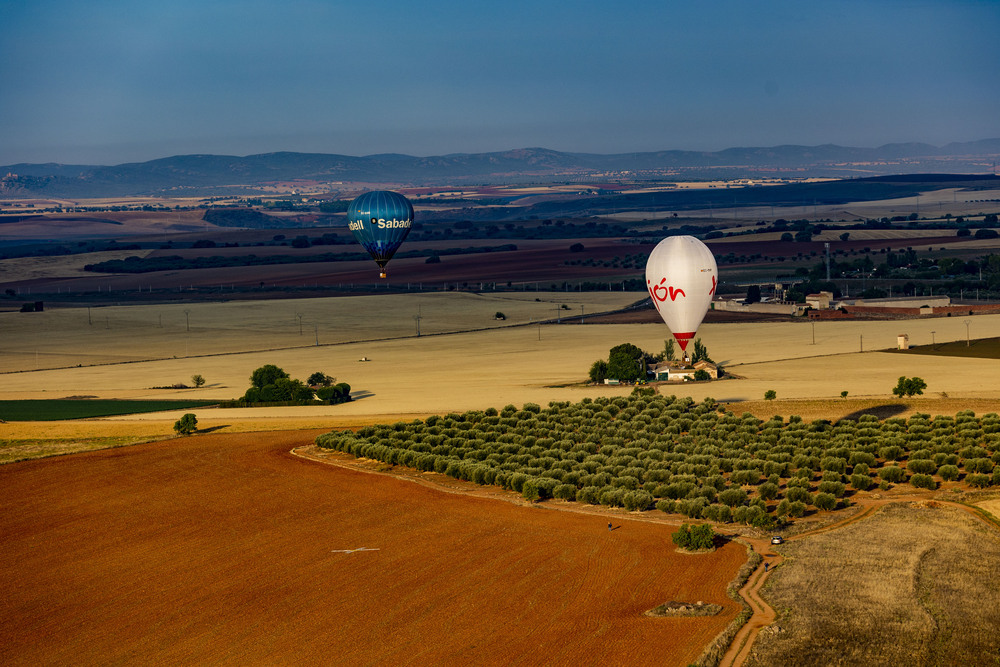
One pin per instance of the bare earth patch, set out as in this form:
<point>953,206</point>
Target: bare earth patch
<point>227,549</point>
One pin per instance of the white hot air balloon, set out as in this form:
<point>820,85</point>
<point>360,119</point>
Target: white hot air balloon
<point>681,276</point>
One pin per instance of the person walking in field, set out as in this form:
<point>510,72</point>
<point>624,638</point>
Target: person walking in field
<point>609,528</point>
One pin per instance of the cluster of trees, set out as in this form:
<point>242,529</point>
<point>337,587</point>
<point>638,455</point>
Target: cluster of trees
<point>905,264</point>
<point>631,261</point>
<point>913,386</point>
<point>627,362</point>
<point>694,538</point>
<point>695,459</point>
<point>137,264</point>
<point>271,384</point>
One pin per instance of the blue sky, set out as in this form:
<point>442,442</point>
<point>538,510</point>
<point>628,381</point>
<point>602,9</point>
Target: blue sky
<point>105,82</point>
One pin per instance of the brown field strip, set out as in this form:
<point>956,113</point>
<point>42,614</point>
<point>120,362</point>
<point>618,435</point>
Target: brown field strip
<point>226,548</point>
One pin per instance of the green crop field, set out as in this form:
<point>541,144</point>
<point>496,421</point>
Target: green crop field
<point>49,410</point>
<point>983,348</point>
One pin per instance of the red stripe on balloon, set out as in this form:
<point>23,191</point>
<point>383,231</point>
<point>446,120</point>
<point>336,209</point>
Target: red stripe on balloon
<point>683,339</point>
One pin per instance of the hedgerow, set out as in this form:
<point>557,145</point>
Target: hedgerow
<point>700,460</point>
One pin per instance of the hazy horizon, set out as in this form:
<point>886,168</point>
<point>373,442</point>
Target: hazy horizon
<point>110,82</point>
<point>652,150</point>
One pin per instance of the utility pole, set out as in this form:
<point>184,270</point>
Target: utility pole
<point>968,342</point>
<point>299,315</point>
<point>932,339</point>
<point>187,319</point>
<point>417,318</point>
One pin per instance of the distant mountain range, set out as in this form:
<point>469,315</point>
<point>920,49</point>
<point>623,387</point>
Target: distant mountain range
<point>205,175</point>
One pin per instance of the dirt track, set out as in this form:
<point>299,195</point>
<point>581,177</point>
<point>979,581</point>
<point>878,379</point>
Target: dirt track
<point>228,549</point>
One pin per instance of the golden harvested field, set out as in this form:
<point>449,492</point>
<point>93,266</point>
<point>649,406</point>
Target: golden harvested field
<point>913,584</point>
<point>436,374</point>
<point>113,334</point>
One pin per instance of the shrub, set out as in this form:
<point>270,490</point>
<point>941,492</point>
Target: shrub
<point>922,466</point>
<point>833,463</point>
<point>982,465</point>
<point>718,513</point>
<point>835,489</point>
<point>564,492</point>
<point>770,395</point>
<point>598,371</point>
<point>692,507</point>
<point>796,509</point>
<point>825,501</point>
<point>949,473</point>
<point>745,477</point>
<point>612,497</point>
<point>978,480</point>
<point>589,495</point>
<point>768,491</point>
<point>319,379</point>
<point>798,494</point>
<point>909,386</point>
<point>891,452</point>
<point>831,476</point>
<point>637,500</point>
<point>517,481</point>
<point>892,474</point>
<point>922,481</point>
<point>663,505</point>
<point>861,458</point>
<point>694,537</point>
<point>782,508</point>
<point>187,424</point>
<point>861,482</point>
<point>733,497</point>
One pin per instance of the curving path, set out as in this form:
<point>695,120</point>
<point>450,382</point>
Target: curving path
<point>763,614</point>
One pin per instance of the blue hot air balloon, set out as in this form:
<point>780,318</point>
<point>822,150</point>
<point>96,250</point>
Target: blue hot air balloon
<point>380,220</point>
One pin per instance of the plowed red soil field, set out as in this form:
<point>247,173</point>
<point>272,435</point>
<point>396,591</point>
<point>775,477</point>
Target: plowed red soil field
<point>227,549</point>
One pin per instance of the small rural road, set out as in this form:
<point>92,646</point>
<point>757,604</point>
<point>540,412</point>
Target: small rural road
<point>763,614</point>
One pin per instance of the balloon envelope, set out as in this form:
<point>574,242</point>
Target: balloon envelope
<point>681,276</point>
<point>380,220</point>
